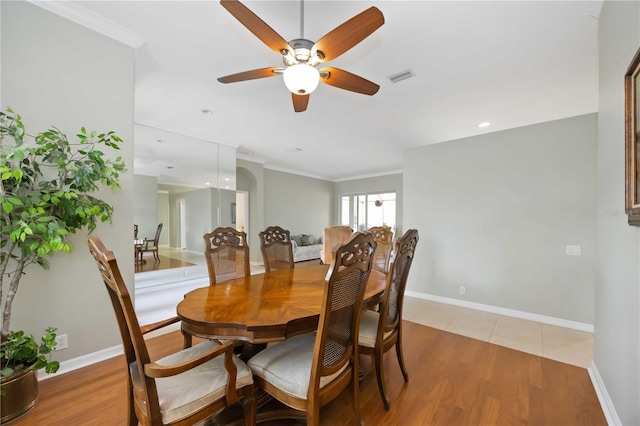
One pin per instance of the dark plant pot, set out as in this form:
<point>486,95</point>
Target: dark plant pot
<point>19,394</point>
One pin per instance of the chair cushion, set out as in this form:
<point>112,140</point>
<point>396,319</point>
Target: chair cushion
<point>186,393</point>
<point>369,329</point>
<point>287,365</point>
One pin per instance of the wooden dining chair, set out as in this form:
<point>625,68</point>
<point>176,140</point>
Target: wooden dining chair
<point>183,388</point>
<point>227,254</point>
<point>333,237</point>
<point>382,330</point>
<point>384,239</point>
<point>151,245</point>
<point>308,370</point>
<point>276,248</point>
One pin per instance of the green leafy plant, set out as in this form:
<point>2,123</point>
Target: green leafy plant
<point>21,351</point>
<point>46,191</point>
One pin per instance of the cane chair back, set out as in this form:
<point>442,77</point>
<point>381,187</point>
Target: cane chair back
<point>181,389</point>
<point>307,371</point>
<point>384,239</point>
<point>276,248</point>
<point>227,254</point>
<point>380,331</point>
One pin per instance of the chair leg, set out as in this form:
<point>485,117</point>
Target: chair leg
<point>188,340</point>
<point>355,395</point>
<point>380,377</point>
<point>313,416</point>
<point>250,409</point>
<point>133,419</point>
<point>401,358</point>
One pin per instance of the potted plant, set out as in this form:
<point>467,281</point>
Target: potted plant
<point>46,186</point>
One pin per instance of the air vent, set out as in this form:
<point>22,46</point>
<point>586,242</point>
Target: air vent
<point>402,76</point>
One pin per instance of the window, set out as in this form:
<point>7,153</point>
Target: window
<point>363,211</point>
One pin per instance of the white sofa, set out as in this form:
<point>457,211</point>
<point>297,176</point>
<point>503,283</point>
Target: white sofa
<point>306,247</point>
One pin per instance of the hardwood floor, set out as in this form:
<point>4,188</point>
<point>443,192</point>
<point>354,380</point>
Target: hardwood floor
<point>453,380</point>
<point>164,263</point>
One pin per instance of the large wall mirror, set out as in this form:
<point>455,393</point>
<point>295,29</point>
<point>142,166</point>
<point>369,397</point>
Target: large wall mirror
<point>186,183</point>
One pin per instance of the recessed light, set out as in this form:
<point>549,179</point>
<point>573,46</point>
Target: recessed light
<point>207,183</point>
<point>226,187</point>
<point>484,124</point>
<point>159,141</point>
<point>227,179</point>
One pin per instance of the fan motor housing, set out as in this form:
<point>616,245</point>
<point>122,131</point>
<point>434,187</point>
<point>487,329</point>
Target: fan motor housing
<point>301,53</point>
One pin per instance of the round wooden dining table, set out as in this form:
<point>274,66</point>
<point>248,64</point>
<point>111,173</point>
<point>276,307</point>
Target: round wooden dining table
<point>264,307</point>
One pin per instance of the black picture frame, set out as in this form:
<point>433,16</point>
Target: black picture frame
<point>233,213</point>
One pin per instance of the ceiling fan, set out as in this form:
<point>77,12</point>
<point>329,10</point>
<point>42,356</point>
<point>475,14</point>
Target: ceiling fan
<point>302,57</point>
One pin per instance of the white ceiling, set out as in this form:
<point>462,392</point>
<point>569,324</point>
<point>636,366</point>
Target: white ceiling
<point>512,63</point>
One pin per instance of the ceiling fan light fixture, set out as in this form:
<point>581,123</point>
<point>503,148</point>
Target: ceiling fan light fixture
<point>301,79</point>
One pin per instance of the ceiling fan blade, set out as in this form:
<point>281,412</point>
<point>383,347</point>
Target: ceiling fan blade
<point>348,34</point>
<point>249,75</point>
<point>256,25</point>
<point>345,80</point>
<point>300,102</point>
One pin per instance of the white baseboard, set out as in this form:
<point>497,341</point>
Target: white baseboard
<point>102,355</point>
<point>83,361</point>
<point>603,396</point>
<point>505,311</point>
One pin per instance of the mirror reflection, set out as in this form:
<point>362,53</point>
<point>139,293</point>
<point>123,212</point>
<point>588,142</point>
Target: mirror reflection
<point>187,184</point>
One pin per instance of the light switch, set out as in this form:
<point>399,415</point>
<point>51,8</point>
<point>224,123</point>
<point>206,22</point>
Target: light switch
<point>573,250</point>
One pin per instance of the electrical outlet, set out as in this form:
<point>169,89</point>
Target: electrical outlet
<point>462,289</point>
<point>573,250</point>
<point>61,342</point>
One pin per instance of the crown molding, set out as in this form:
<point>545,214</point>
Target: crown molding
<point>93,21</point>
<point>250,158</point>
<point>371,175</point>
<point>295,172</point>
<point>299,173</point>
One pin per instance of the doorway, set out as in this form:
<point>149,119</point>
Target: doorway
<point>242,211</point>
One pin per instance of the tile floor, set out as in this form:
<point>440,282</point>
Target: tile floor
<point>158,292</point>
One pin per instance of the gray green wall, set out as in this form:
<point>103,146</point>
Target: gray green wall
<point>303,205</point>
<point>201,209</point>
<point>496,211</point>
<point>164,217</point>
<point>617,292</point>
<point>55,72</point>
<point>145,206</point>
